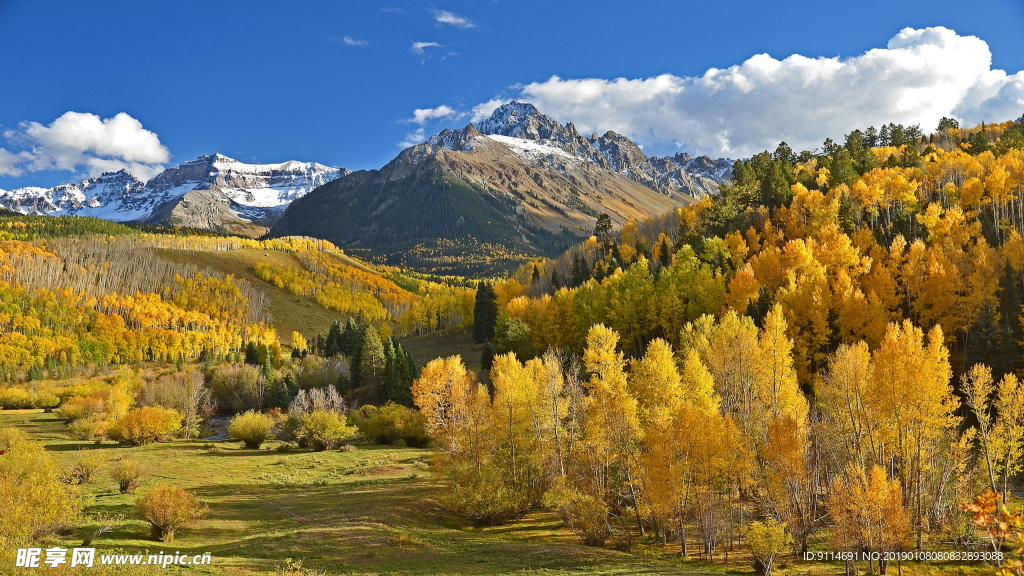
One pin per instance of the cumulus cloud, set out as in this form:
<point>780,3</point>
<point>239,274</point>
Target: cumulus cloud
<point>353,42</point>
<point>423,115</point>
<point>919,77</point>
<point>418,47</point>
<point>452,19</point>
<point>85,143</point>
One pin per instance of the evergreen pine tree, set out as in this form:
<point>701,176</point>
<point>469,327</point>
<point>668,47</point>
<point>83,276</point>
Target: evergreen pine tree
<point>35,372</point>
<point>371,359</point>
<point>664,255</point>
<point>535,275</point>
<point>332,344</point>
<point>485,312</point>
<point>487,357</point>
<point>351,338</point>
<point>986,342</point>
<point>252,354</point>
<point>556,282</point>
<point>759,308</point>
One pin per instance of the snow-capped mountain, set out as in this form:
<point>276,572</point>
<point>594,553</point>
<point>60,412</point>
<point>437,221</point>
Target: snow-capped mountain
<point>207,192</point>
<point>522,125</point>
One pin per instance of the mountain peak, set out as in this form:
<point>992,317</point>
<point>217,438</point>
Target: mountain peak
<point>521,120</point>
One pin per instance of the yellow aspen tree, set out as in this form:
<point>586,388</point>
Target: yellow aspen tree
<point>697,385</point>
<point>732,358</point>
<point>978,388</point>
<point>456,407</point>
<point>776,386</point>
<point>869,512</point>
<point>517,429</point>
<point>789,487</point>
<point>1008,431</point>
<point>849,428</point>
<point>913,400</point>
<point>612,427</point>
<point>655,383</point>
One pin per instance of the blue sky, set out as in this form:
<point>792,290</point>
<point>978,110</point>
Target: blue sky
<point>273,81</point>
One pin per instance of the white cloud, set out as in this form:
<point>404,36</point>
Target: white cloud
<point>413,138</point>
<point>481,111</point>
<point>86,143</point>
<point>919,77</point>
<point>417,47</point>
<point>9,163</point>
<point>353,42</point>
<point>423,115</point>
<point>452,19</point>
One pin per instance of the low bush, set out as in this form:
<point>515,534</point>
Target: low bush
<point>251,428</point>
<point>145,425</point>
<point>87,428</point>
<point>17,399</point>
<point>294,568</point>
<point>390,423</point>
<point>584,514</point>
<point>325,430</point>
<point>87,464</point>
<point>128,474</point>
<point>168,509</point>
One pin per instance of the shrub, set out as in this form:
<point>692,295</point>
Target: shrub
<point>33,502</point>
<point>17,399</point>
<point>251,428</point>
<point>584,514</point>
<point>238,387</point>
<point>484,495</point>
<point>169,508</point>
<point>390,423</point>
<point>80,407</point>
<point>87,464</point>
<point>145,425</point>
<point>293,568</point>
<point>323,430</point>
<point>767,540</point>
<point>47,401</point>
<point>128,474</point>
<point>86,428</point>
<point>11,437</point>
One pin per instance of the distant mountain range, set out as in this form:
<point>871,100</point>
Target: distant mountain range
<point>211,192</point>
<point>516,185</point>
<point>482,198</point>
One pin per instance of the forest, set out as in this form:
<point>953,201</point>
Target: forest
<point>826,356</point>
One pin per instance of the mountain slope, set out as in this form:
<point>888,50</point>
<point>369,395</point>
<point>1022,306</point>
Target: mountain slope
<point>476,203</point>
<point>212,192</point>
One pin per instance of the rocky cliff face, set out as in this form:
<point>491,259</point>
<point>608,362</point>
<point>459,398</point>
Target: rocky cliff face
<point>230,195</point>
<point>694,177</point>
